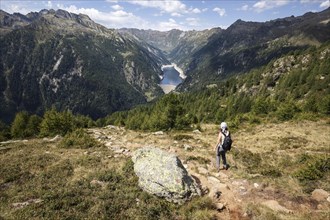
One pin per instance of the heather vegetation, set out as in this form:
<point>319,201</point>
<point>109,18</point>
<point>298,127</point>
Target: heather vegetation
<point>59,181</point>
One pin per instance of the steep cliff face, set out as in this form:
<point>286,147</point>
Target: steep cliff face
<point>66,60</point>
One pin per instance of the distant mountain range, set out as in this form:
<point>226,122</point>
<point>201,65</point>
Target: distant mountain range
<point>212,55</point>
<point>57,58</point>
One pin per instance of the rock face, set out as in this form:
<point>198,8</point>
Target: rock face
<point>162,174</point>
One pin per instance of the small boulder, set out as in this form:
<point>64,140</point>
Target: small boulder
<point>213,180</point>
<point>159,133</point>
<point>320,195</point>
<point>162,174</point>
<point>220,206</point>
<point>202,170</point>
<point>187,147</point>
<point>197,131</point>
<point>275,206</point>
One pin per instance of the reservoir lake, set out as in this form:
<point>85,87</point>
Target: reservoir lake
<point>171,78</point>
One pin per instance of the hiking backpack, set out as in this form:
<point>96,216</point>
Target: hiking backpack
<point>227,142</point>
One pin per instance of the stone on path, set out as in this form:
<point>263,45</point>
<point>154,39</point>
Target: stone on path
<point>275,206</point>
<point>220,206</point>
<point>162,174</point>
<point>202,170</point>
<point>320,195</point>
<point>213,180</point>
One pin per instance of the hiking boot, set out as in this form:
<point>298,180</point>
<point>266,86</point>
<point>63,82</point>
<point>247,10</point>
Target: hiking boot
<point>226,167</point>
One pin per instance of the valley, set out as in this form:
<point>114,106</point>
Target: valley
<point>77,99</point>
<point>121,68</point>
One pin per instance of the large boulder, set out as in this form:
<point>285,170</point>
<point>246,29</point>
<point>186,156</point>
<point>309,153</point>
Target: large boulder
<point>162,174</point>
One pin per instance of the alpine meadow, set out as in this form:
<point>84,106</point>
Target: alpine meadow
<point>88,130</point>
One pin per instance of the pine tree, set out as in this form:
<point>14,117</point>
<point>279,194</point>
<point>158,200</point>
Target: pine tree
<point>19,125</point>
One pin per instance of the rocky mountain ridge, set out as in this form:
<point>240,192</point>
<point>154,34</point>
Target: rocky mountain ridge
<point>211,55</point>
<point>70,62</point>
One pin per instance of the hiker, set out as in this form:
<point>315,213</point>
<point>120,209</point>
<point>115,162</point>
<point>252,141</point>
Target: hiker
<point>220,147</point>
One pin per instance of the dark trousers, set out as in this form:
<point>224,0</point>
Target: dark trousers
<point>223,157</point>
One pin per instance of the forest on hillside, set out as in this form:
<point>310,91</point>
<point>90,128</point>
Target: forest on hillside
<point>295,86</point>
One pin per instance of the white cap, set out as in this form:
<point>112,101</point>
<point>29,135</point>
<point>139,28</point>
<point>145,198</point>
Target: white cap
<point>223,125</point>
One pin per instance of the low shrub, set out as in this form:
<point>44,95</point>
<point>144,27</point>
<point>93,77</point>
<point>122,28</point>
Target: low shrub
<point>180,137</point>
<point>252,161</point>
<point>55,123</point>
<point>271,171</point>
<point>199,159</point>
<point>286,111</point>
<point>78,139</point>
<point>198,208</point>
<point>312,171</point>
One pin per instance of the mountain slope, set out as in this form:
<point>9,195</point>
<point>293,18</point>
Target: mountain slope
<point>177,45</point>
<point>66,60</point>
<point>247,45</point>
<point>212,55</point>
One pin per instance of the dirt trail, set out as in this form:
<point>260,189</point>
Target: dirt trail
<point>230,193</point>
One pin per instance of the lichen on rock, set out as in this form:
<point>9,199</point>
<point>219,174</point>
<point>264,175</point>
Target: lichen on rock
<point>162,174</point>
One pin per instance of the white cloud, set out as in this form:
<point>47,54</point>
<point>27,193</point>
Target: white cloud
<point>220,11</point>
<point>309,1</point>
<point>263,5</point>
<point>112,19</point>
<point>173,7</point>
<point>168,6</point>
<point>192,21</point>
<point>243,8</point>
<point>112,1</point>
<point>20,7</point>
<point>169,25</point>
<point>196,11</point>
<point>325,4</point>
<point>117,7</point>
<point>175,14</point>
<point>205,9</point>
<point>49,4</point>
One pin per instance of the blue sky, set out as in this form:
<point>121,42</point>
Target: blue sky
<point>169,14</point>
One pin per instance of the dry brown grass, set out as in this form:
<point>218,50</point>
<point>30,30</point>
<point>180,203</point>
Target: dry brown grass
<point>282,148</point>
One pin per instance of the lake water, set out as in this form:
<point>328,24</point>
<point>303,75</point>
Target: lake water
<point>171,79</point>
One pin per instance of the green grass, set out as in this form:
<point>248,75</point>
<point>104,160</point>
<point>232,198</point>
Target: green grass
<point>180,137</point>
<point>199,159</point>
<point>74,185</point>
<point>78,139</point>
<point>310,171</point>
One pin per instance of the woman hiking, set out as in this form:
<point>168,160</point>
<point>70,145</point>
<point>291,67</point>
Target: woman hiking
<point>220,148</point>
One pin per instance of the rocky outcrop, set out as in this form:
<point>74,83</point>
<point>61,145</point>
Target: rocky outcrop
<point>162,174</point>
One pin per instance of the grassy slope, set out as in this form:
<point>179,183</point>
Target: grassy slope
<point>97,183</point>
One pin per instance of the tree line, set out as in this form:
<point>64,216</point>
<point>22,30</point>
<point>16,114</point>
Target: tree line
<point>262,94</point>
